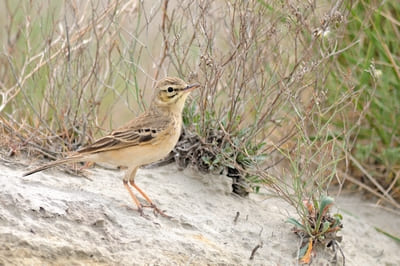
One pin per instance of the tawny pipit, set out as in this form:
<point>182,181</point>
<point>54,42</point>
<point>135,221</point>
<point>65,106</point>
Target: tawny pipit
<point>146,139</point>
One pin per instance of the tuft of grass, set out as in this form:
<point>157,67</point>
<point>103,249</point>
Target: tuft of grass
<point>317,225</point>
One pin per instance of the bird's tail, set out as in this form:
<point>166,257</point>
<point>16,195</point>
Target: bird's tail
<point>71,159</point>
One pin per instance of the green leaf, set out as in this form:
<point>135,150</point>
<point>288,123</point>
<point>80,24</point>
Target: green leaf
<point>325,203</point>
<point>303,251</point>
<point>338,216</point>
<point>395,238</point>
<point>325,227</point>
<point>293,221</point>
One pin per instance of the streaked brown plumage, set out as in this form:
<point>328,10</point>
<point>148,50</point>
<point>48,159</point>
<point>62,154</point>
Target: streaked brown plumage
<point>145,139</point>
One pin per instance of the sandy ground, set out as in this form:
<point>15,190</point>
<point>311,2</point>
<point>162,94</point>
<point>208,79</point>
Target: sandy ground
<point>51,218</point>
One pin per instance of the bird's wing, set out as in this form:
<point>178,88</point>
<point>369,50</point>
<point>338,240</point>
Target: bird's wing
<point>142,130</point>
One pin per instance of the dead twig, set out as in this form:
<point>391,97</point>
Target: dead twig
<point>253,252</point>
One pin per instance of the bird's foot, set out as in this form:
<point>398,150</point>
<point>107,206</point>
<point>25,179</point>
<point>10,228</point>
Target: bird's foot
<point>141,212</point>
<point>156,211</point>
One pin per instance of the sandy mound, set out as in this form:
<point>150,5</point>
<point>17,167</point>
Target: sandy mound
<point>53,218</point>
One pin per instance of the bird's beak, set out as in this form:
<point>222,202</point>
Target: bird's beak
<point>191,87</point>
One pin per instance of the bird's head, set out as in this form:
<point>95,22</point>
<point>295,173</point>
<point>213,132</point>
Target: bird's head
<point>171,93</point>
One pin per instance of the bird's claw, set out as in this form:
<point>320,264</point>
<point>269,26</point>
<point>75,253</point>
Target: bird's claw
<point>157,210</point>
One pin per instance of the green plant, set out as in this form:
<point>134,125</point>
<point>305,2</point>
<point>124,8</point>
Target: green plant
<point>316,225</point>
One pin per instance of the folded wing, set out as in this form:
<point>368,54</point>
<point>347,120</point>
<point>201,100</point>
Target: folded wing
<point>142,130</point>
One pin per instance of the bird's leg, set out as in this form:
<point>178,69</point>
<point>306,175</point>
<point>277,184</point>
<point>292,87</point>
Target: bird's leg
<point>126,185</point>
<point>151,204</point>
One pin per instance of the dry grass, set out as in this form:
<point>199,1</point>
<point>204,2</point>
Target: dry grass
<point>371,70</point>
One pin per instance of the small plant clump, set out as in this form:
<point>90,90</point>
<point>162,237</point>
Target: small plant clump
<point>217,154</point>
<point>317,225</point>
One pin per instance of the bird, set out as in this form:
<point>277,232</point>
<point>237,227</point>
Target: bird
<point>147,138</point>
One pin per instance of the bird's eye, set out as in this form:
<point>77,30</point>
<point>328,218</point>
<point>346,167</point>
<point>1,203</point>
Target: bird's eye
<point>170,89</point>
